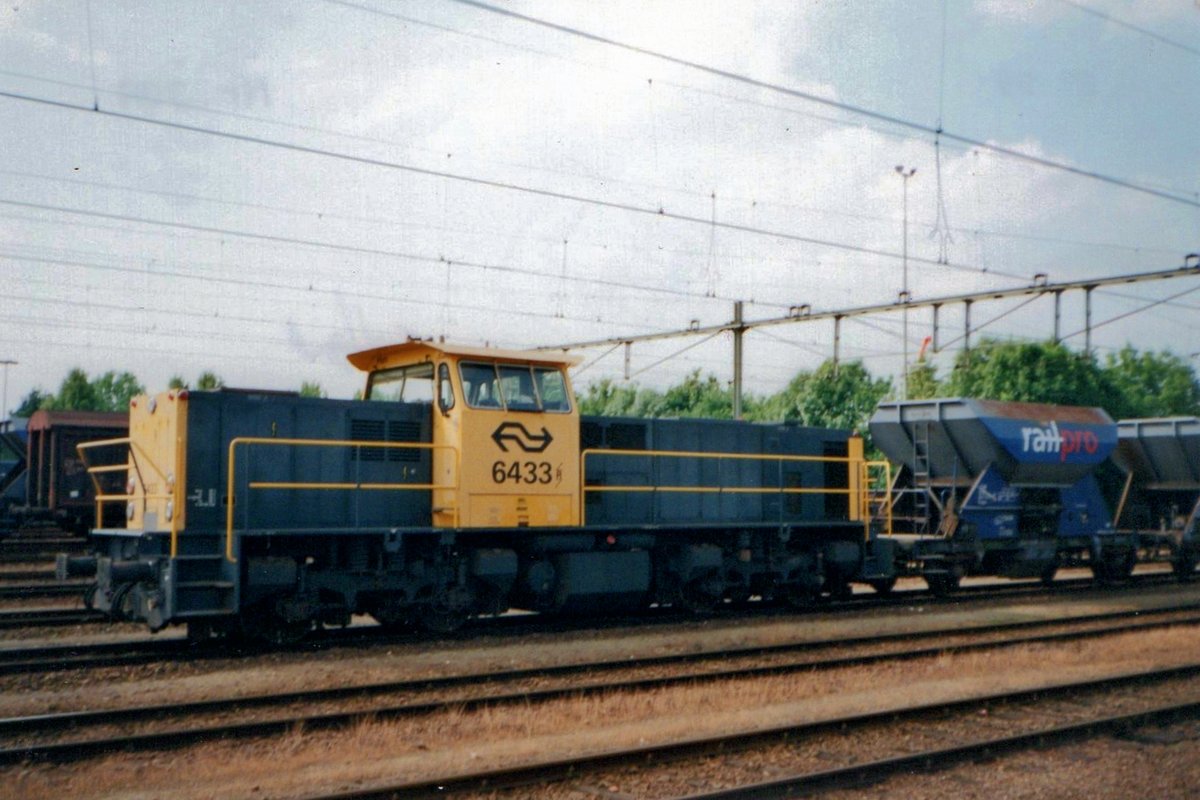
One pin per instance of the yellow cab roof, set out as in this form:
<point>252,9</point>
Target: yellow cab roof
<point>416,351</point>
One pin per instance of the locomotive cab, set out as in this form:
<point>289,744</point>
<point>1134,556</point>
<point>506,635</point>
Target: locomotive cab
<point>505,430</point>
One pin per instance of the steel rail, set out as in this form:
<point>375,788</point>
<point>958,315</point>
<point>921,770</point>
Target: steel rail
<point>874,772</point>
<point>165,739</point>
<point>12,591</point>
<point>47,617</point>
<point>556,770</point>
<point>55,658</point>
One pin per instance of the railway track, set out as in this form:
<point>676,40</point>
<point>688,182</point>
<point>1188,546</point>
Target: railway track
<point>48,617</point>
<point>75,656</point>
<point>618,768</point>
<point>73,735</point>
<point>31,591</point>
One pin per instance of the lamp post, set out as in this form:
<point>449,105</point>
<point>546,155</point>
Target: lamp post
<point>905,175</point>
<point>6,363</point>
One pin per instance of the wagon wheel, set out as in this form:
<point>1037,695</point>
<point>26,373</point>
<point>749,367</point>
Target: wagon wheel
<point>89,596</point>
<point>1048,573</point>
<point>1110,571</point>
<point>942,584</point>
<point>1184,563</point>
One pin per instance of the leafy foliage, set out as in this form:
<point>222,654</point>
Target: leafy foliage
<point>1153,384</point>
<point>1045,372</point>
<point>311,389</point>
<point>209,382</point>
<point>31,403</point>
<point>1129,384</point>
<point>833,396</point>
<point>111,391</point>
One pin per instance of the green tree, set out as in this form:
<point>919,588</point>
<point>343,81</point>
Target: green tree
<point>209,382</point>
<point>311,389</point>
<point>605,398</point>
<point>177,382</point>
<point>697,397</point>
<point>76,393</point>
<point>841,396</point>
<point>1033,372</point>
<point>113,390</point>
<point>1153,384</point>
<point>32,402</point>
<point>923,382</point>
<point>834,396</point>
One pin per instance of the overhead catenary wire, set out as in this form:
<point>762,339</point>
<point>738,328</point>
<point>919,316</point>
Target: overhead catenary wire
<point>675,354</point>
<point>1158,37</point>
<point>323,214</point>
<point>659,212</point>
<point>311,290</point>
<point>825,101</point>
<point>1146,307</point>
<point>373,251</point>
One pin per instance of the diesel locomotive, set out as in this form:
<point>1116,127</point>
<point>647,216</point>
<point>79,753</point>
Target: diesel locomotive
<point>463,483</point>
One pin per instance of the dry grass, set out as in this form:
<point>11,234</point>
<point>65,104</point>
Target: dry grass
<point>167,682</point>
<point>303,762</point>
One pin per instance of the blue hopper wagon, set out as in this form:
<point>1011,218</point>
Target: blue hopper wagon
<point>1000,488</point>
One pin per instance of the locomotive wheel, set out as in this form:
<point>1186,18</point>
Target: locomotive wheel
<point>119,608</point>
<point>446,611</point>
<point>800,596</point>
<point>262,623</point>
<point>393,621</point>
<point>702,595</point>
<point>840,590</point>
<point>884,586</point>
<point>1047,576</point>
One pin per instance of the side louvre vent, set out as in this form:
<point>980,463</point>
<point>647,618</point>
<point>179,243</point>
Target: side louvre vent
<point>378,430</point>
<point>401,431</point>
<point>367,430</point>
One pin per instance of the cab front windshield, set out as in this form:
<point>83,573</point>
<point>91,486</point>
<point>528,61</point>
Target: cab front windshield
<point>514,387</point>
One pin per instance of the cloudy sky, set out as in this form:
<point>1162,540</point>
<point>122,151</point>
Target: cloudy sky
<point>261,188</point>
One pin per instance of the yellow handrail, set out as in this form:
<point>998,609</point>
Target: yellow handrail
<point>780,458</point>
<point>136,456</point>
<point>866,495</point>
<point>257,440</point>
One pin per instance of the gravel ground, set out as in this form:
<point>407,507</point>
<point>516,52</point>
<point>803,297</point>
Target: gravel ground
<point>304,762</point>
<point>1157,762</point>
